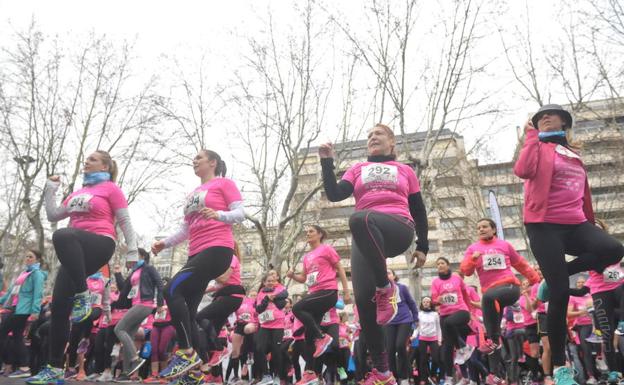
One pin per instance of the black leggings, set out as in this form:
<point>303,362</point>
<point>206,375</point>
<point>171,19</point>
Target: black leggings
<point>375,237</point>
<point>186,289</point>
<point>550,243</point>
<point>310,310</point>
<point>605,304</point>
<point>268,341</point>
<point>585,350</point>
<point>297,352</point>
<point>212,318</point>
<point>397,337</point>
<point>81,254</point>
<point>493,301</point>
<point>14,323</point>
<point>454,331</point>
<point>103,346</point>
<point>428,352</point>
<point>514,345</point>
<point>78,332</point>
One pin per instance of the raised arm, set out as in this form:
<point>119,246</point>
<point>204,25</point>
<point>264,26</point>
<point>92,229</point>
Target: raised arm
<point>54,212</point>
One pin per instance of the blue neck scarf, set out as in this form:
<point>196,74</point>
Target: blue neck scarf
<point>558,137</point>
<point>97,275</point>
<point>92,178</point>
<point>34,266</point>
<point>138,264</point>
<point>547,134</point>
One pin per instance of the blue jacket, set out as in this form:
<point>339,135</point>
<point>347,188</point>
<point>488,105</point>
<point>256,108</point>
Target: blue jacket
<point>408,311</point>
<point>30,293</point>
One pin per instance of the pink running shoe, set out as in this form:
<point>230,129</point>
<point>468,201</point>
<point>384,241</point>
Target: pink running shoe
<point>488,347</point>
<point>219,355</point>
<point>321,345</point>
<point>308,378</point>
<point>386,300</point>
<point>377,378</point>
<point>494,380</point>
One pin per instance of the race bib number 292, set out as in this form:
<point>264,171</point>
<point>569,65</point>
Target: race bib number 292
<point>379,173</point>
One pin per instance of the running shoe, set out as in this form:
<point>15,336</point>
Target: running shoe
<point>591,381</point>
<point>601,365</point>
<point>214,380</point>
<point>308,378</point>
<point>135,365</point>
<point>448,380</point>
<point>189,379</point>
<point>237,381</point>
<point>488,347</point>
<point>266,380</point>
<point>154,379</point>
<point>548,380</point>
<point>123,378</point>
<point>374,377</point>
<point>70,373</point>
<point>219,355</point>
<point>387,308</point>
<point>542,292</point>
<point>463,381</point>
<point>47,376</point>
<point>105,377</point>
<point>462,355</point>
<point>19,373</point>
<point>92,377</point>
<point>594,338</point>
<point>342,374</point>
<point>322,344</point>
<point>82,308</point>
<point>564,376</point>
<point>180,364</point>
<point>404,382</point>
<point>491,379</point>
<point>620,329</point>
<point>614,378</point>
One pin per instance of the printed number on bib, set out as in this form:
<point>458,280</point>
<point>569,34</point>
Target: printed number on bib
<point>161,315</point>
<point>133,292</point>
<point>311,278</point>
<point>379,173</point>
<point>79,203</point>
<point>96,298</point>
<point>195,202</point>
<point>288,333</point>
<point>518,317</point>
<point>246,317</point>
<point>612,274</point>
<point>448,299</point>
<point>326,318</point>
<point>494,262</point>
<point>266,316</point>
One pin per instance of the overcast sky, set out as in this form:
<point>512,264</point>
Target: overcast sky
<point>185,29</point>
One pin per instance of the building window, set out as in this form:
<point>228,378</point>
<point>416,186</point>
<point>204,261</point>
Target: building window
<point>452,202</point>
<point>513,232</point>
<point>433,246</point>
<point>455,245</point>
<point>248,249</point>
<point>453,223</point>
<point>448,181</point>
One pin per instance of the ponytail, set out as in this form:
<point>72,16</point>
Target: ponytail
<point>221,168</point>
<point>113,170</point>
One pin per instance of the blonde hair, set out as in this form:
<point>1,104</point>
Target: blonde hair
<point>112,165</point>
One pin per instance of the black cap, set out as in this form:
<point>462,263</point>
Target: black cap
<point>553,108</point>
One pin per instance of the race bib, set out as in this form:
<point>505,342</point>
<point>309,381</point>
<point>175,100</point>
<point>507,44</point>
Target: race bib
<point>343,342</point>
<point>612,274</point>
<point>448,299</point>
<point>79,203</point>
<point>96,298</point>
<point>379,173</point>
<point>16,289</point>
<point>133,292</point>
<point>311,278</point>
<point>518,317</point>
<point>266,316</point>
<point>144,322</point>
<point>494,262</point>
<point>288,333</point>
<point>160,315</point>
<point>245,317</point>
<point>195,202</point>
<point>326,318</point>
<point>566,152</point>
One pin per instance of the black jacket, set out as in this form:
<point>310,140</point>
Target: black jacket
<point>151,284</point>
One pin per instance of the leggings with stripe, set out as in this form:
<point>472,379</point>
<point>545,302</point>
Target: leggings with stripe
<point>375,237</point>
<point>186,289</point>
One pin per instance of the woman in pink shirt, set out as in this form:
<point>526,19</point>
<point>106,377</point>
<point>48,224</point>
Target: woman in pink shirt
<point>449,293</point>
<point>558,217</point>
<point>209,213</point>
<point>242,336</point>
<point>389,212</point>
<point>321,266</point>
<point>82,248</point>
<point>578,313</point>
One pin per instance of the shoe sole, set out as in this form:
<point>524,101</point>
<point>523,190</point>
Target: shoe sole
<point>54,382</point>
<point>77,321</point>
<point>137,367</point>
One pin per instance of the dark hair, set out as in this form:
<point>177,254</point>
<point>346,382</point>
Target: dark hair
<point>144,254</point>
<point>38,255</point>
<point>444,259</point>
<point>221,168</point>
<point>113,170</point>
<point>321,230</point>
<point>396,277</point>
<point>491,222</point>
